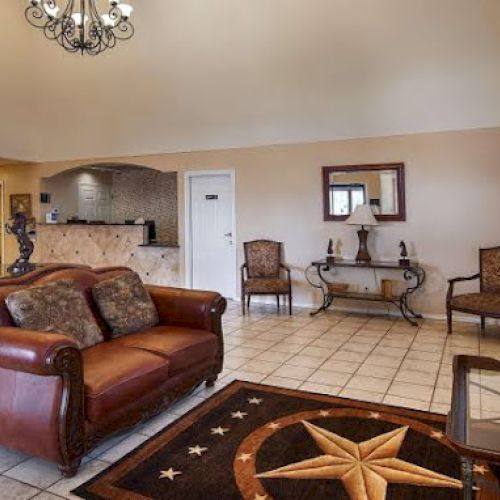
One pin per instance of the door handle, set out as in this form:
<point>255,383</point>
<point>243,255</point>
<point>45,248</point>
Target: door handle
<point>228,235</point>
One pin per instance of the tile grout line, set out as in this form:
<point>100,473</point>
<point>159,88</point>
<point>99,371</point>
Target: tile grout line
<point>380,340</point>
<point>399,368</point>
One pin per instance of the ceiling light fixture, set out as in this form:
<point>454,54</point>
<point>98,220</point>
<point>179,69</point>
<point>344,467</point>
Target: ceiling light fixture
<point>79,27</point>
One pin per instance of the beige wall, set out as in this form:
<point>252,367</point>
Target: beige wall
<point>251,72</point>
<point>18,179</point>
<point>452,187</point>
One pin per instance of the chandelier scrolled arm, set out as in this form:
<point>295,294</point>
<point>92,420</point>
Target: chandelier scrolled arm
<point>79,27</point>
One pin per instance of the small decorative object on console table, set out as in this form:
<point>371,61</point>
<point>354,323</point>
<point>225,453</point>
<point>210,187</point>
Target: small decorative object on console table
<point>362,216</point>
<point>412,273</point>
<point>473,428</point>
<point>22,265</point>
<point>329,252</point>
<point>403,261</point>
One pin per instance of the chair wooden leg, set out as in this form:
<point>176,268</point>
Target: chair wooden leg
<point>449,319</point>
<point>483,325</point>
<point>248,302</point>
<point>243,304</point>
<point>278,302</point>
<point>290,303</point>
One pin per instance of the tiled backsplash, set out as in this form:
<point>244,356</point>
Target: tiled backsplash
<point>149,194</point>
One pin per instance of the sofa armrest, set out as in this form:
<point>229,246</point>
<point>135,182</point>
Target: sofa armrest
<point>31,351</point>
<point>189,308</point>
<point>47,356</point>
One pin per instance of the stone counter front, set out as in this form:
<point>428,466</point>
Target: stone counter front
<point>108,245</point>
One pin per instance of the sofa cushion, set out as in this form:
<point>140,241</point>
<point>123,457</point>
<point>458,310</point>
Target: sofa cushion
<point>85,279</point>
<point>183,347</point>
<point>125,304</point>
<point>116,377</point>
<point>57,307</point>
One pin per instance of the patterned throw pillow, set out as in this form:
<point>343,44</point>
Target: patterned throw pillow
<point>56,307</point>
<point>125,304</point>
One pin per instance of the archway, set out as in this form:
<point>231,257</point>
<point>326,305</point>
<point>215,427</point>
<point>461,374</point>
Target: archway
<point>113,193</point>
<point>111,214</point>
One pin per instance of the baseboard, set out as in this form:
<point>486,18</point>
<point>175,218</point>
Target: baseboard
<point>366,310</point>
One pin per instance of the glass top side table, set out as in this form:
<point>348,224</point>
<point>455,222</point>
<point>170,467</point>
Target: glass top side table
<point>473,424</point>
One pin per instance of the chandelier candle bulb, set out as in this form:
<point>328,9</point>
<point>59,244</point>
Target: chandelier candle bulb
<point>126,10</point>
<point>108,20</point>
<point>77,17</point>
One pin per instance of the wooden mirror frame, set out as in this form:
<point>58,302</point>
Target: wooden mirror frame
<point>398,167</point>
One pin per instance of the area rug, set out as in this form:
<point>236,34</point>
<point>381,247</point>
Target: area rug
<point>260,442</point>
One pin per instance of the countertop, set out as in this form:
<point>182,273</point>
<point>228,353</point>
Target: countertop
<point>87,224</point>
<point>160,244</point>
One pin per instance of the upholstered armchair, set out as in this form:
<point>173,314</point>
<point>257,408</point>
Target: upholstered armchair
<point>262,273</point>
<point>486,302</point>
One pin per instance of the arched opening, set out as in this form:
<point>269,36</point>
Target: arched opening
<point>113,193</point>
<point>110,214</point>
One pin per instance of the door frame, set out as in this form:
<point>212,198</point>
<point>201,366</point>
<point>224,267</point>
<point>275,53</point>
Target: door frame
<point>188,252</point>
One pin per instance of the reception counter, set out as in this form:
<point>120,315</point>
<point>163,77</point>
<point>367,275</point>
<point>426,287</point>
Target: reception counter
<point>103,245</point>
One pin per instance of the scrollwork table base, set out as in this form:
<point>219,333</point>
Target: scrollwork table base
<point>414,276</point>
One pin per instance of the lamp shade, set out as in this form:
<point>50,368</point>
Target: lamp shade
<point>362,216</point>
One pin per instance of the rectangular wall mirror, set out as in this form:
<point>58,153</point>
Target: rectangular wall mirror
<point>382,186</point>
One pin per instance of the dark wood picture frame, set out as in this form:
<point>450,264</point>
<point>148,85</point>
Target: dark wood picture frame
<point>400,171</point>
<point>21,200</point>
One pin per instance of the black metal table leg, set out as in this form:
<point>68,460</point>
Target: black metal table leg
<point>404,305</point>
<point>467,477</point>
<point>327,302</point>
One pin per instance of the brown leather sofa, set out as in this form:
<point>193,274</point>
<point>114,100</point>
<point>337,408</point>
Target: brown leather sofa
<point>57,402</point>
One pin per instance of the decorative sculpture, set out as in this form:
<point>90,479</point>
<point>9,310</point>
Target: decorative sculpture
<point>329,250</point>
<point>403,261</point>
<point>330,259</point>
<point>22,265</point>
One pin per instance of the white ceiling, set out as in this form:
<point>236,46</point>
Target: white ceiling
<point>205,74</point>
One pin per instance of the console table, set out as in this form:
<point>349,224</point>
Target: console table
<point>413,274</point>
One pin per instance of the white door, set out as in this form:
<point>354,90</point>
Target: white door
<point>94,202</point>
<point>213,257</point>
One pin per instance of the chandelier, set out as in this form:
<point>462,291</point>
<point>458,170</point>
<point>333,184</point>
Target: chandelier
<point>79,27</point>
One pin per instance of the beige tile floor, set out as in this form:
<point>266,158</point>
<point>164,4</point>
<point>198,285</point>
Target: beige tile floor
<point>379,359</point>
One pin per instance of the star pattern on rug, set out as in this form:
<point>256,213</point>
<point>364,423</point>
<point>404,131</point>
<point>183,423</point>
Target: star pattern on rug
<point>375,415</point>
<point>274,426</point>
<point>239,414</point>
<point>324,413</point>
<point>197,450</point>
<point>255,401</point>
<point>437,435</point>
<point>219,430</point>
<point>259,497</point>
<point>244,457</point>
<point>169,474</point>
<point>365,469</point>
<point>480,469</point>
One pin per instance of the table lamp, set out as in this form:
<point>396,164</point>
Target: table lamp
<point>362,216</point>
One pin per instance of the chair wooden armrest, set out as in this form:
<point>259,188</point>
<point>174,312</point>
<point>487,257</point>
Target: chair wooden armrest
<point>464,278</point>
<point>453,281</point>
<point>286,269</point>
<point>242,270</point>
